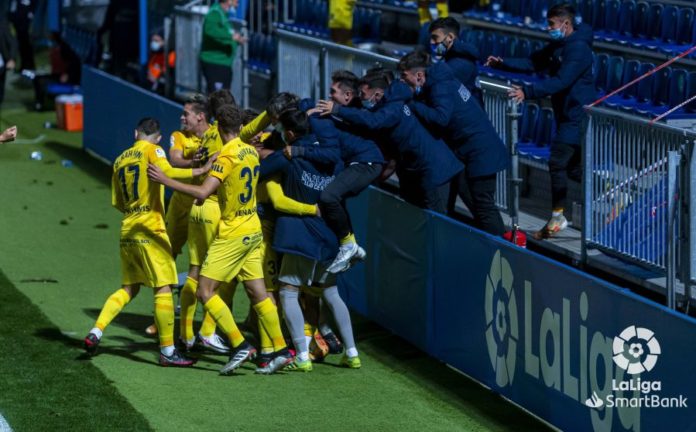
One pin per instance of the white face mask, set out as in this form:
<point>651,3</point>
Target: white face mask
<point>155,46</point>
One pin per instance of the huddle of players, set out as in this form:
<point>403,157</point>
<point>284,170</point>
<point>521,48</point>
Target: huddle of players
<point>319,154</point>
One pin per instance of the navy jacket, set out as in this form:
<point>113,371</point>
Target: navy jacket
<point>420,154</point>
<point>571,85</point>
<point>303,181</point>
<point>327,150</point>
<point>447,106</point>
<point>462,57</point>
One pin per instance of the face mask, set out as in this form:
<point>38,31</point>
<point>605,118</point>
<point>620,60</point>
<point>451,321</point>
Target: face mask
<point>438,49</point>
<point>556,34</point>
<point>155,46</point>
<point>367,103</point>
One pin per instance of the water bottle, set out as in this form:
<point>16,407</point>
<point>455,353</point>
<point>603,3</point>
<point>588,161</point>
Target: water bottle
<point>36,155</point>
<point>67,163</point>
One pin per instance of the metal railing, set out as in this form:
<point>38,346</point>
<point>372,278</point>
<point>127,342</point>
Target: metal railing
<point>188,25</point>
<point>637,186</point>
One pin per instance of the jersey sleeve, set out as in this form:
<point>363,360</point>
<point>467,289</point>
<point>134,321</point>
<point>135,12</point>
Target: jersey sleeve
<point>116,196</point>
<point>257,125</point>
<point>287,205</point>
<point>176,141</point>
<point>159,158</point>
<point>221,168</point>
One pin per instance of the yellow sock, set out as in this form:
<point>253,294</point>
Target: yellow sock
<point>223,317</point>
<point>265,340</point>
<point>164,318</point>
<point>226,293</point>
<point>350,238</point>
<point>187,299</point>
<point>268,318</point>
<point>424,12</point>
<point>112,307</point>
<point>442,9</point>
<point>309,330</point>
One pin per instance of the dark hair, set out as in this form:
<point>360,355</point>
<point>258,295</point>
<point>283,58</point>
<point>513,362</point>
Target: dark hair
<point>386,74</point>
<point>417,59</point>
<point>563,10</point>
<point>345,79</point>
<point>217,99</point>
<point>447,25</point>
<point>198,103</point>
<point>148,126</point>
<point>248,116</point>
<point>295,121</point>
<point>375,79</point>
<point>282,102</point>
<point>229,118</point>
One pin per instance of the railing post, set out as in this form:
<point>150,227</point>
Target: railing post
<point>587,162</point>
<point>672,201</point>
<point>688,232</point>
<point>245,67</point>
<point>514,180</point>
<point>323,73</point>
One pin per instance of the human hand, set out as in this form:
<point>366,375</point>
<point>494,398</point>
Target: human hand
<point>8,134</point>
<point>325,107</point>
<point>287,151</point>
<point>239,38</point>
<point>493,61</point>
<point>516,94</point>
<point>10,64</point>
<point>155,174</point>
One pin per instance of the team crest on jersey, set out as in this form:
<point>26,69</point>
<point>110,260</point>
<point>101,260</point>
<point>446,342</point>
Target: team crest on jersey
<point>159,152</point>
<point>407,110</point>
<point>172,140</point>
<point>464,93</point>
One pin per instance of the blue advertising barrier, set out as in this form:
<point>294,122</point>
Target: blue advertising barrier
<point>576,351</point>
<point>112,108</point>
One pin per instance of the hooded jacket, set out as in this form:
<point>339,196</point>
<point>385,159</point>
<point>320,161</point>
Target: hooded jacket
<point>447,107</point>
<point>303,181</point>
<point>571,85</point>
<point>462,57</point>
<point>419,153</point>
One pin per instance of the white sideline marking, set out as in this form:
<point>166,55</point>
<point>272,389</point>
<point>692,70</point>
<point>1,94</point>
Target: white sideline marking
<point>4,426</point>
<point>36,140</point>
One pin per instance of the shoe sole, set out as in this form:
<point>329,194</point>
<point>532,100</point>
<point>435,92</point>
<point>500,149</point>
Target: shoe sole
<point>227,371</point>
<point>205,346</point>
<point>277,368</point>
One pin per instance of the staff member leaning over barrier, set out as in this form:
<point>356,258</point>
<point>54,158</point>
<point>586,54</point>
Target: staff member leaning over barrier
<point>363,164</point>
<point>568,59</point>
<point>444,104</point>
<point>218,46</point>
<point>425,165</point>
<point>459,55</point>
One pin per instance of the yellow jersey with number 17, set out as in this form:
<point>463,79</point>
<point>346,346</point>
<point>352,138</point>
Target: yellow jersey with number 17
<point>237,168</point>
<point>140,200</point>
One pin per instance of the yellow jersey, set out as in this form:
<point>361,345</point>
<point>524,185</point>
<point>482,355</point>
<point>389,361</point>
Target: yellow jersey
<point>139,199</point>
<point>186,142</point>
<point>237,168</point>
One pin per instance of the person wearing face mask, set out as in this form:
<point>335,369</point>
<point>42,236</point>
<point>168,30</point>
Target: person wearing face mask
<point>460,56</point>
<point>157,65</point>
<point>425,165</point>
<point>446,106</point>
<point>568,60</point>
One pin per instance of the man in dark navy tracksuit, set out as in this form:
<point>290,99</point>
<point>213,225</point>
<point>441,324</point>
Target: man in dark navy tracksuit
<point>461,56</point>
<point>447,108</point>
<point>307,243</point>
<point>568,59</point>
<point>363,163</point>
<point>425,165</point>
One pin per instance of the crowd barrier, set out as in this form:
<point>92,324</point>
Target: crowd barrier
<point>188,28</point>
<point>112,108</point>
<point>563,345</point>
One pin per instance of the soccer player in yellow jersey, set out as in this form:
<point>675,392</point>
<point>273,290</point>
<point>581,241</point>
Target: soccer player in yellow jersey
<point>235,251</point>
<point>146,256</point>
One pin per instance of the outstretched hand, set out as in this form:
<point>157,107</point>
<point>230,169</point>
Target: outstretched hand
<point>325,107</point>
<point>155,174</point>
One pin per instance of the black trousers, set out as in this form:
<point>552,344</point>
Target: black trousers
<point>565,162</point>
<point>216,76</point>
<point>478,193</point>
<point>348,183</point>
<point>412,192</point>
<point>26,51</point>
<point>3,73</point>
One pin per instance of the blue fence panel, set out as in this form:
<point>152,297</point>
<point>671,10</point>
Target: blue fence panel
<point>566,346</point>
<point>112,108</point>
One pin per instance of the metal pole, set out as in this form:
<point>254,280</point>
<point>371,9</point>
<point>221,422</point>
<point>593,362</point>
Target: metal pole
<point>513,204</point>
<point>587,161</point>
<point>144,37</point>
<point>323,73</point>
<point>672,191</point>
<point>245,67</point>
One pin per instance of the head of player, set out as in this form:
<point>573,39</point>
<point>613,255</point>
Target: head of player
<point>372,87</point>
<point>344,88</point>
<point>194,117</point>
<point>217,99</point>
<point>280,103</point>
<point>148,129</point>
<point>229,118</point>
<point>295,125</point>
<point>413,68</point>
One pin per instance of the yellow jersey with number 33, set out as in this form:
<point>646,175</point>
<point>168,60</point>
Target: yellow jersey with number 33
<point>140,200</point>
<point>237,168</point>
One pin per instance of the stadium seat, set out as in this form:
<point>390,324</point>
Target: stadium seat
<point>611,16</point>
<point>660,88</point>
<point>630,72</point>
<point>644,86</point>
<point>669,24</point>
<point>626,17</point>
<point>499,45</point>
<point>528,123</point>
<point>598,14</point>
<point>641,20</point>
<point>655,21</point>
<point>523,48</point>
<point>614,73</point>
<point>545,127</point>
<point>600,71</point>
<point>685,24</point>
<point>691,91</point>
<point>677,87</point>
<point>511,47</point>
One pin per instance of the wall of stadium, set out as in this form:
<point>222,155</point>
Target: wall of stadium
<point>578,352</point>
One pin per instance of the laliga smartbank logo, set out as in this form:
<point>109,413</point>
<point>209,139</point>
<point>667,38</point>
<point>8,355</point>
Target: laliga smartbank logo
<point>636,350</point>
<point>552,344</point>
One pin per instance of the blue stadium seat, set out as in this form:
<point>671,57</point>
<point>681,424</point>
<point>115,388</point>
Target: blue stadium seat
<point>655,21</point>
<point>500,45</point>
<point>611,16</point>
<point>677,87</point>
<point>670,16</point>
<point>641,20</point>
<point>511,47</point>
<point>660,88</point>
<point>545,127</point>
<point>601,63</point>
<point>685,24</point>
<point>614,73</point>
<point>630,72</point>
<point>528,127</point>
<point>524,48</point>
<point>487,44</point>
<point>644,86</point>
<point>598,14</point>
<point>691,91</point>
<point>584,10</point>
<point>627,17</point>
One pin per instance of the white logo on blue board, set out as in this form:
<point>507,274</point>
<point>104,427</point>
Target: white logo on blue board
<point>636,350</point>
<point>502,327</point>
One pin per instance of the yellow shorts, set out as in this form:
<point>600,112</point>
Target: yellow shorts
<point>147,260</point>
<point>202,230</point>
<point>238,257</point>
<point>341,14</point>
<point>269,257</point>
<point>177,220</point>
